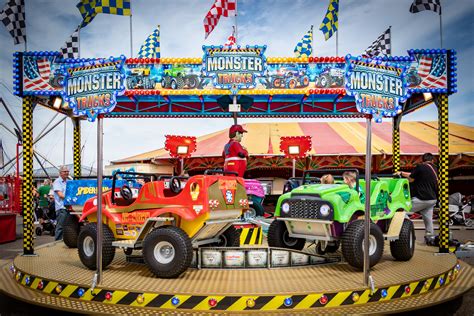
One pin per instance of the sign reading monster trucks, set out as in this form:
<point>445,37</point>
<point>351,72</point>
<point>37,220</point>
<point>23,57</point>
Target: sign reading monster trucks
<point>377,87</point>
<point>92,88</point>
<point>234,68</point>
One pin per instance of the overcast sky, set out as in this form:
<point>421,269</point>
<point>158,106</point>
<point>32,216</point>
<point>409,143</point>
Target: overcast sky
<point>279,24</point>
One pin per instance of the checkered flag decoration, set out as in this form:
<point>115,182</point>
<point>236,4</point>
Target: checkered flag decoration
<point>151,46</point>
<point>422,5</point>
<point>231,39</point>
<point>330,23</point>
<point>304,48</point>
<point>220,8</point>
<point>90,8</point>
<point>381,46</point>
<point>70,49</point>
<point>13,17</point>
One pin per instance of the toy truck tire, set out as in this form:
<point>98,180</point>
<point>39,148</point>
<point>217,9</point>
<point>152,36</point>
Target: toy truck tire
<point>86,245</point>
<point>71,231</point>
<point>278,237</point>
<point>191,81</point>
<point>352,244</point>
<point>167,251</point>
<point>325,81</point>
<point>230,238</point>
<point>403,248</point>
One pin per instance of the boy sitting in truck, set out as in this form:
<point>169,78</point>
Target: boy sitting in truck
<point>350,179</point>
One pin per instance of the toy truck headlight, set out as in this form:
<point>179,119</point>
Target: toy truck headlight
<point>324,210</point>
<point>285,207</point>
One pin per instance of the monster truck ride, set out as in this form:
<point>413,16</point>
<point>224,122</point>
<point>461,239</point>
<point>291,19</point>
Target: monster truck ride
<point>165,219</point>
<point>177,77</point>
<point>332,214</point>
<point>290,77</point>
<point>139,78</point>
<point>330,77</point>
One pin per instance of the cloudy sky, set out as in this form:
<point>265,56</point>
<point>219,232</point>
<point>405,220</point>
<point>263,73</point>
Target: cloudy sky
<point>277,23</point>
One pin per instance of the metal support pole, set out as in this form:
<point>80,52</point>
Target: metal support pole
<point>77,148</point>
<point>294,168</point>
<point>443,193</point>
<point>27,182</point>
<point>396,144</point>
<point>182,166</point>
<point>100,139</point>
<point>368,166</point>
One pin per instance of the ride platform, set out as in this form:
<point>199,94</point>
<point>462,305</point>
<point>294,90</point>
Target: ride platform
<point>56,278</point>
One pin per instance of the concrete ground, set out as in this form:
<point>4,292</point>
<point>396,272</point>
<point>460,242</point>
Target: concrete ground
<point>8,251</point>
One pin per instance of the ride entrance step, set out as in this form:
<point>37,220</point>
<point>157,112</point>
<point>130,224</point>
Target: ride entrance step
<point>395,226</point>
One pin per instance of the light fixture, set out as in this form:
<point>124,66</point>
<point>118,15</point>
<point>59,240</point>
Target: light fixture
<point>183,150</point>
<point>57,103</point>
<point>427,96</point>
<point>294,150</point>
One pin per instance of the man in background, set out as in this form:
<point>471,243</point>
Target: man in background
<point>59,188</point>
<point>43,192</point>
<point>235,155</point>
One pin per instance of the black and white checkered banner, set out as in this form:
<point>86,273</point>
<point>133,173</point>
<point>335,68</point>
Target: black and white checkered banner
<point>381,46</point>
<point>70,49</point>
<point>13,17</point>
<point>422,5</point>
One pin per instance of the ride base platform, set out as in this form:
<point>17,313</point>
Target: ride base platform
<point>56,278</point>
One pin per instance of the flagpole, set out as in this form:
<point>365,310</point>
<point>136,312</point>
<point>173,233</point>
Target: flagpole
<point>441,29</point>
<point>79,42</point>
<point>337,43</point>
<point>236,33</point>
<point>312,40</point>
<point>131,36</point>
<point>391,39</point>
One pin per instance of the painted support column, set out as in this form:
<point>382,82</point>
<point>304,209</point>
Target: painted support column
<point>77,148</point>
<point>27,180</point>
<point>396,144</point>
<point>443,164</point>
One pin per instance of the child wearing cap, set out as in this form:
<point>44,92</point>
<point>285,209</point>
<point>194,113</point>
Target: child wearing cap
<point>235,155</point>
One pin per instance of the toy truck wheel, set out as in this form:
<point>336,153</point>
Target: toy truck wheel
<point>86,245</point>
<point>353,241</point>
<point>278,236</point>
<point>230,238</point>
<point>38,231</point>
<point>167,251</point>
<point>71,231</point>
<point>403,248</point>
<point>325,81</point>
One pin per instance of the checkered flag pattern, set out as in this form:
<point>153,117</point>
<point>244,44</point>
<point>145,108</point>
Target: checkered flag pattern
<point>231,39</point>
<point>151,46</point>
<point>70,49</point>
<point>381,46</point>
<point>443,193</point>
<point>13,17</point>
<point>396,147</point>
<point>27,181</point>
<point>330,22</point>
<point>220,8</point>
<point>422,5</point>
<point>77,148</point>
<point>304,48</point>
<point>90,8</point>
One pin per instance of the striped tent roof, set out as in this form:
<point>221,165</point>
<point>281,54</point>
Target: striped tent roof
<point>333,138</point>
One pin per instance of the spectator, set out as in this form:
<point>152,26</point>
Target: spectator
<point>43,192</point>
<point>327,179</point>
<point>423,188</point>
<point>59,187</point>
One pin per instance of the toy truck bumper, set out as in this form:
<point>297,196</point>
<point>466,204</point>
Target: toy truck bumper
<point>310,229</point>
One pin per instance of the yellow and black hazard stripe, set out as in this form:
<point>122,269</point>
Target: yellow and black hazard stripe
<point>237,303</point>
<point>99,65</point>
<point>251,236</point>
<point>390,68</point>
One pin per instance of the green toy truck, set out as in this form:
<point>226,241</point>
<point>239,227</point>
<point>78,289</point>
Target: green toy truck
<point>333,214</point>
<point>179,77</point>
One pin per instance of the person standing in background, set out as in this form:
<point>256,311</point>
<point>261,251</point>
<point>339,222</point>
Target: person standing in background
<point>59,188</point>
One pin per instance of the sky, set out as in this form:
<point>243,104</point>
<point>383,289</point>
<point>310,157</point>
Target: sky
<point>279,24</point>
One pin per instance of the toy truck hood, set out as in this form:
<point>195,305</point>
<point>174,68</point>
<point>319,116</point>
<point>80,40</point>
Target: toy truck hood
<point>318,189</point>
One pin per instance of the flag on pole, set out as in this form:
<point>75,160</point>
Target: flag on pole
<point>304,47</point>
<point>70,49</point>
<point>422,5</point>
<point>90,8</point>
<point>151,46</point>
<point>381,46</point>
<point>329,25</point>
<point>231,39</point>
<point>219,8</point>
<point>13,17</point>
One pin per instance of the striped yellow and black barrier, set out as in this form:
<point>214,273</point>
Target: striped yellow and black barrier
<point>236,303</point>
<point>251,236</point>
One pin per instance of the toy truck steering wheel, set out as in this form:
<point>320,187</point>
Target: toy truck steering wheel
<point>126,192</point>
<point>175,185</point>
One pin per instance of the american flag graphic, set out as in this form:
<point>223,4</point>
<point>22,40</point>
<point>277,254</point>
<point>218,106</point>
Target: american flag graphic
<point>432,71</point>
<point>36,74</point>
<point>219,8</point>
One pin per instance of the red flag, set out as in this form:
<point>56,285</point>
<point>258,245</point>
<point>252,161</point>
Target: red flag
<point>219,8</point>
<point>231,39</point>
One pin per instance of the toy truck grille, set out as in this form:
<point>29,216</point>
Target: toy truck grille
<point>304,208</point>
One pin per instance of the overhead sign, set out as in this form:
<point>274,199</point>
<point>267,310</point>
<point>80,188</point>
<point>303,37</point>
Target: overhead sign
<point>378,87</point>
<point>234,68</point>
<point>91,88</point>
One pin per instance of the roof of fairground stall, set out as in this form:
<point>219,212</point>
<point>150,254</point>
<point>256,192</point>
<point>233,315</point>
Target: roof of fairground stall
<point>330,139</point>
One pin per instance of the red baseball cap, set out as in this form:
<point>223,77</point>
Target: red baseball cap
<point>236,128</point>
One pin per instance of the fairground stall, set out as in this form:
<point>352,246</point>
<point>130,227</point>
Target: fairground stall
<point>238,82</point>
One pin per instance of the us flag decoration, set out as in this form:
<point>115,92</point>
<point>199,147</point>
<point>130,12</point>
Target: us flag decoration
<point>432,71</point>
<point>37,72</point>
